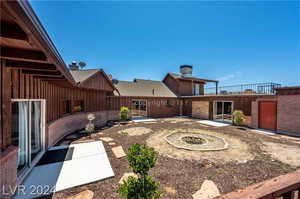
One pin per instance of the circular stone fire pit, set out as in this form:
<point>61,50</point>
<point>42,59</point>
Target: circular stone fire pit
<point>196,141</point>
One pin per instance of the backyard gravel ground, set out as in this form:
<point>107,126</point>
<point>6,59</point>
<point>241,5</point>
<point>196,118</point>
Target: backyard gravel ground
<point>185,176</point>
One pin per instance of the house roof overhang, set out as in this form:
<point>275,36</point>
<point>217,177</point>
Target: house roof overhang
<point>292,90</point>
<point>26,45</point>
<point>200,80</point>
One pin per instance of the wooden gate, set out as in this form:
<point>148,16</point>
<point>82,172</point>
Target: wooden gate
<point>268,115</point>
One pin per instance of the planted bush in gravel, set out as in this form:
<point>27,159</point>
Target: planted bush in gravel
<point>141,159</point>
<point>124,111</point>
<point>238,117</point>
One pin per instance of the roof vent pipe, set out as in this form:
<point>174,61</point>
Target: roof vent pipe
<point>186,70</point>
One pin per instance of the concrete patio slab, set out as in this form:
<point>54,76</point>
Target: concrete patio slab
<point>264,131</point>
<point>89,163</point>
<point>143,119</point>
<point>213,123</point>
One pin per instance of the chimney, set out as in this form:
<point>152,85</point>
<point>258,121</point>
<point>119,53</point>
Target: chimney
<point>73,66</point>
<point>115,81</point>
<point>186,70</point>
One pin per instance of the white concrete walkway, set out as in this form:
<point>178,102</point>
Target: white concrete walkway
<point>89,163</point>
<point>213,123</point>
<point>143,119</point>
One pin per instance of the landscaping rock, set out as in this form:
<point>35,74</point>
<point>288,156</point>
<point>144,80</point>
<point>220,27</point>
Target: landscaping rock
<point>125,177</point>
<point>106,139</point>
<point>170,190</point>
<point>135,131</point>
<point>111,143</point>
<point>118,151</point>
<point>208,190</point>
<point>87,194</point>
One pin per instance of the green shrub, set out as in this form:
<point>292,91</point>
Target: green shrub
<point>124,113</point>
<point>140,188</point>
<point>77,108</point>
<point>141,159</point>
<point>238,117</point>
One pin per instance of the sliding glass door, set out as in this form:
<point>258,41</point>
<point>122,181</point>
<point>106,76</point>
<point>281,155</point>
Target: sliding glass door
<point>27,131</point>
<point>139,108</point>
<point>36,129</point>
<point>223,110</point>
<point>20,132</point>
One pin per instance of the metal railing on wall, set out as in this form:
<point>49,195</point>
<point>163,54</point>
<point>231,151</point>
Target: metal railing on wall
<point>260,88</point>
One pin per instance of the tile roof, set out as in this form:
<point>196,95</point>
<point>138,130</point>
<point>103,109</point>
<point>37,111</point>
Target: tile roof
<point>81,75</point>
<point>147,88</point>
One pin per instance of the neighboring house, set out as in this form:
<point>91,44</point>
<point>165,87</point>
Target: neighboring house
<point>159,98</point>
<point>145,88</point>
<point>93,79</point>
<point>185,84</point>
<point>145,98</point>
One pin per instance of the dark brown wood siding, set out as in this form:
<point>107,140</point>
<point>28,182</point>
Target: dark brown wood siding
<point>156,106</point>
<point>35,88</point>
<point>172,84</point>
<point>6,104</point>
<point>97,81</point>
<point>182,87</point>
<point>17,85</point>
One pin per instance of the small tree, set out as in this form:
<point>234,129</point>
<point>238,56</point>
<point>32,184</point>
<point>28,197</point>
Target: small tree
<point>141,159</point>
<point>124,113</point>
<point>238,117</point>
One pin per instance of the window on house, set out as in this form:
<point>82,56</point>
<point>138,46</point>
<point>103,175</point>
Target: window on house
<point>78,106</point>
<point>168,103</point>
<point>196,89</point>
<point>66,106</point>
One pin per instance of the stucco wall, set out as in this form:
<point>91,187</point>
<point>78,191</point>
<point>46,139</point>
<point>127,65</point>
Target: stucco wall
<point>200,109</point>
<point>254,114</point>
<point>288,113</point>
<point>68,124</point>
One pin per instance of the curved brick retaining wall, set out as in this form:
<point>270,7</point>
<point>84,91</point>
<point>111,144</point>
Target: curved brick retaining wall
<point>68,124</point>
